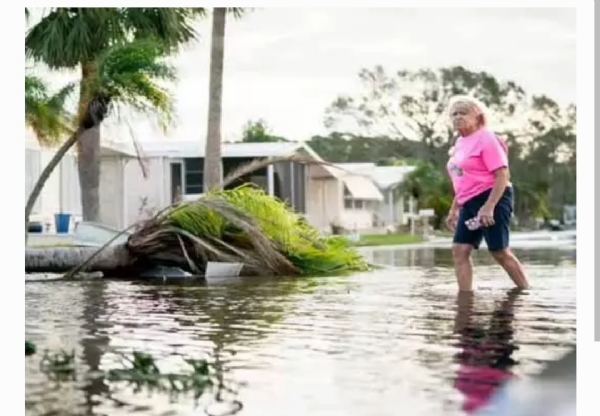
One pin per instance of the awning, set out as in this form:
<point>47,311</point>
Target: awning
<point>361,187</point>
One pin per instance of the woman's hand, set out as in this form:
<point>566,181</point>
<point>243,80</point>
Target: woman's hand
<point>451,219</point>
<point>486,215</point>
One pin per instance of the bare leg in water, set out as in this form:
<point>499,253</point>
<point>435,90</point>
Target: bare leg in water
<point>513,267</point>
<point>463,266</point>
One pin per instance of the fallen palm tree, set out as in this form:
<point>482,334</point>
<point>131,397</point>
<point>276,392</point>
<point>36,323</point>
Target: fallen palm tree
<point>242,225</point>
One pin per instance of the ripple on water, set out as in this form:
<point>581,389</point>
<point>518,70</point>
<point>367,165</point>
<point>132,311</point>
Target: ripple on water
<point>368,344</point>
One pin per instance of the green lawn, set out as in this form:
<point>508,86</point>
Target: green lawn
<point>388,239</point>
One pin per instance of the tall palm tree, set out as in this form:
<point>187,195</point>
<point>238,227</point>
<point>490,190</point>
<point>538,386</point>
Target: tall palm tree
<point>126,74</point>
<point>213,170</point>
<point>69,38</point>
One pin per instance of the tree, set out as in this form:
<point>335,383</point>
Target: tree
<point>432,189</point>
<point>45,113</point>
<point>259,132</point>
<point>69,38</point>
<point>345,147</point>
<point>213,169</point>
<point>543,159</point>
<point>412,104</point>
<point>126,74</point>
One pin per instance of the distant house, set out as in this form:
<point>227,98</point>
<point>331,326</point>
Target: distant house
<point>358,196</point>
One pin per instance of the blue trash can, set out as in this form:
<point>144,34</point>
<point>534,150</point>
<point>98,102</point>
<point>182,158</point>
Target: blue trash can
<point>61,222</point>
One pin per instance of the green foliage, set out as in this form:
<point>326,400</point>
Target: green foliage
<point>259,132</point>
<point>299,242</point>
<point>247,225</point>
<point>131,74</point>
<point>120,51</point>
<point>66,37</point>
<point>30,348</point>
<point>432,189</point>
<point>141,372</point>
<point>45,113</point>
<point>387,239</point>
<point>411,104</point>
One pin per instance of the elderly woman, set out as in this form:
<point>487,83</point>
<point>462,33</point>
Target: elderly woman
<point>483,194</point>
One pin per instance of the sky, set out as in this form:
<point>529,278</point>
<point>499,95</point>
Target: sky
<point>287,65</point>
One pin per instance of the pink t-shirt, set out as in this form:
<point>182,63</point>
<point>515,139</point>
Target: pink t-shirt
<point>473,161</point>
<point>478,384</point>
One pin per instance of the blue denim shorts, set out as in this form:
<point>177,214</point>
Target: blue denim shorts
<point>496,236</point>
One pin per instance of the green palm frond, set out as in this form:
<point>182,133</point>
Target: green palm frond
<point>243,225</point>
<point>132,73</point>
<point>66,37</point>
<point>173,26</point>
<point>120,51</point>
<point>45,113</point>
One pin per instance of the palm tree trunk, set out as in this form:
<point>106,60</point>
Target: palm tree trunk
<point>64,259</point>
<point>88,154</point>
<point>88,167</point>
<point>39,185</point>
<point>213,175</point>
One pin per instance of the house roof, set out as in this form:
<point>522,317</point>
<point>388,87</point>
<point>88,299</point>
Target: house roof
<point>361,187</point>
<point>389,176</point>
<point>180,149</point>
<point>184,149</point>
<point>383,176</point>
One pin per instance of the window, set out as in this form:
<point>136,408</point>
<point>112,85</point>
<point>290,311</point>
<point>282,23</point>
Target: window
<point>193,175</point>
<point>348,204</point>
<point>176,189</point>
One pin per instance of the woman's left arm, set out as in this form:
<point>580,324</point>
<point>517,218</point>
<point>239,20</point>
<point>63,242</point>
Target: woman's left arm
<point>500,185</point>
<point>496,160</point>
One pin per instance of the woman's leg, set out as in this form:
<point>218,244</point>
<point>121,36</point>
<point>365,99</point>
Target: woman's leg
<point>497,239</point>
<point>513,267</point>
<point>463,244</point>
<point>463,266</point>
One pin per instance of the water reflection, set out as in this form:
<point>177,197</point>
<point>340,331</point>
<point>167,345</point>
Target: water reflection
<point>358,345</point>
<point>486,350</point>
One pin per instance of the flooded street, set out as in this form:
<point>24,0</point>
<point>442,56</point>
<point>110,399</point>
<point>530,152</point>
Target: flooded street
<point>396,340</point>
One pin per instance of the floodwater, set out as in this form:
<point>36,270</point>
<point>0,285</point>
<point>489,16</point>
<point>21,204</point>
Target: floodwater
<point>394,341</point>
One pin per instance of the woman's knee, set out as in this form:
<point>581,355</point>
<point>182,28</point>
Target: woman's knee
<point>461,252</point>
<point>502,255</point>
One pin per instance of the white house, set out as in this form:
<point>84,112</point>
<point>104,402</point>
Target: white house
<point>359,196</point>
<point>136,184</point>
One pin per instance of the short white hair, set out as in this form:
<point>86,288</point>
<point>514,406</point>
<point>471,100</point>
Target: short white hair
<point>473,103</point>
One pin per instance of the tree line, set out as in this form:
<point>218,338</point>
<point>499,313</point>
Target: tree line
<point>400,118</point>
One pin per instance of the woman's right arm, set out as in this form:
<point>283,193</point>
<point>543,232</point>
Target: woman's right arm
<point>452,215</point>
<point>454,206</point>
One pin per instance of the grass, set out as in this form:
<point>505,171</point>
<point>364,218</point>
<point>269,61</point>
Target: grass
<point>387,239</point>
